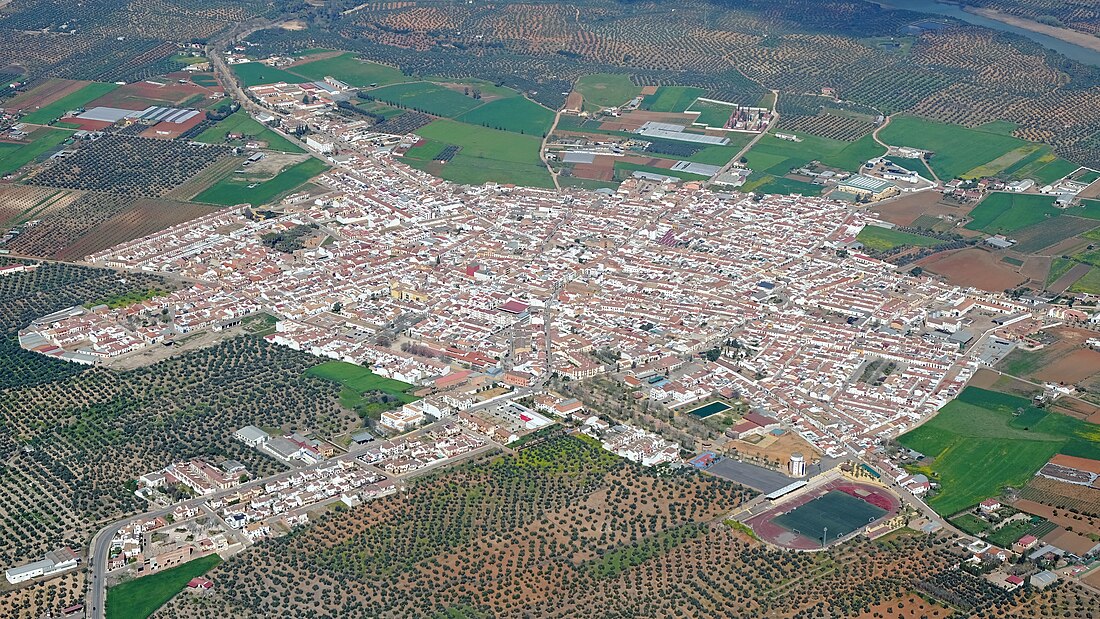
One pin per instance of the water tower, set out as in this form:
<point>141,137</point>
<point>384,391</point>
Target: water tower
<point>797,466</point>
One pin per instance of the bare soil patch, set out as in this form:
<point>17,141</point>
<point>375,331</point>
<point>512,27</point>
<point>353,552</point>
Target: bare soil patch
<point>974,267</point>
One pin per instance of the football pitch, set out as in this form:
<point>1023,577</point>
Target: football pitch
<point>841,513</point>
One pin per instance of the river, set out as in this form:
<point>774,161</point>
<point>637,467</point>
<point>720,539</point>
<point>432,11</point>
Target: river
<point>931,7</point>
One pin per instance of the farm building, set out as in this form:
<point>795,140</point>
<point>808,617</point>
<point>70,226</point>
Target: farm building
<point>868,187</point>
<point>669,131</point>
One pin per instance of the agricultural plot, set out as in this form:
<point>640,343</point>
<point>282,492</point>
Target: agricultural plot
<point>255,73</point>
<point>348,68</point>
<point>1002,213</point>
<point>984,440</point>
<point>672,98</point>
<point>960,152</point>
<point>714,114</point>
<point>141,597</point>
<point>428,98</point>
<point>240,122</point>
<point>486,155</point>
<point>625,169</point>
<point>767,183</point>
<point>515,114</point>
<point>607,89</point>
<point>881,239</point>
<point>41,141</point>
<point>777,157</point>
<point>236,190</point>
<point>77,225</point>
<point>129,165</point>
<point>78,99</point>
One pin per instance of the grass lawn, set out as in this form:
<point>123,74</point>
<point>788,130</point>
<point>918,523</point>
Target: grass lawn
<point>141,597</point>
<point>1007,212</point>
<point>672,98</point>
<point>241,122</point>
<point>776,157</point>
<point>970,523</point>
<point>255,73</point>
<point>486,155</point>
<point>80,98</point>
<point>980,445</point>
<point>229,190</point>
<point>427,97</point>
<point>515,114</point>
<point>1007,535</point>
<point>881,239</point>
<point>15,156</point>
<point>348,68</point>
<point>959,152</point>
<point>607,89</point>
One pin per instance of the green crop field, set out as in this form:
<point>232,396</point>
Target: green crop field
<point>768,183</point>
<point>672,98</point>
<point>255,73</point>
<point>776,157</point>
<point>486,155</point>
<point>80,98</point>
<point>607,89</point>
<point>1003,212</point>
<point>348,68</point>
<point>840,512</point>
<point>15,156</point>
<point>241,122</point>
<point>357,381</point>
<point>1089,284</point>
<point>141,597</point>
<point>427,97</point>
<point>985,440</point>
<point>959,152</point>
<point>515,114</point>
<point>231,190</point>
<point>881,239</point>
<point>712,114</point>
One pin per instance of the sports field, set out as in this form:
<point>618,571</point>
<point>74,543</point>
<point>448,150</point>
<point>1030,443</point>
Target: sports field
<point>984,440</point>
<point>776,157</point>
<point>709,409</point>
<point>607,89</point>
<point>80,98</point>
<point>241,122</point>
<point>232,190</point>
<point>15,156</point>
<point>515,114</point>
<point>141,597</point>
<point>349,69</point>
<point>672,98</point>
<point>836,511</point>
<point>1002,212</point>
<point>255,73</point>
<point>881,239</point>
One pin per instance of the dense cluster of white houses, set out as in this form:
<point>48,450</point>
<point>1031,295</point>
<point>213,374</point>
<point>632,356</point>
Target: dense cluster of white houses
<point>639,282</point>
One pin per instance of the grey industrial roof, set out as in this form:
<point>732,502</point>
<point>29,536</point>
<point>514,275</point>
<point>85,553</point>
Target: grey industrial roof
<point>573,157</point>
<point>153,113</point>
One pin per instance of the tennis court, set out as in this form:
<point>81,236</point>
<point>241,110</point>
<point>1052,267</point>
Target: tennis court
<point>839,511</point>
